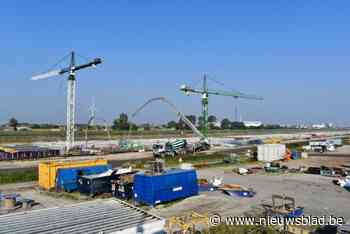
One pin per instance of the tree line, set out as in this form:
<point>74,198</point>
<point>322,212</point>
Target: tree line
<point>122,123</point>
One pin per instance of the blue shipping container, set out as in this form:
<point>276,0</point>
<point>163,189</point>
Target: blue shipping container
<point>295,155</point>
<point>169,186</point>
<point>66,178</point>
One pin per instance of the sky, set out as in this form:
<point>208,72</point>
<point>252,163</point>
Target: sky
<point>295,54</point>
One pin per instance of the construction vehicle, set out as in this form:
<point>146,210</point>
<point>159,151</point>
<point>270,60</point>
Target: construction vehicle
<point>319,146</point>
<point>178,146</point>
<point>170,148</point>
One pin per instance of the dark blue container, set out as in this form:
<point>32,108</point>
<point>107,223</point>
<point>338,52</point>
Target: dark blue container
<point>294,155</point>
<point>67,178</point>
<point>94,184</point>
<point>124,191</point>
<point>168,186</point>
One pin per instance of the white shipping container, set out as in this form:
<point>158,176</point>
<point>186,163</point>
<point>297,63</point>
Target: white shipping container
<point>271,152</point>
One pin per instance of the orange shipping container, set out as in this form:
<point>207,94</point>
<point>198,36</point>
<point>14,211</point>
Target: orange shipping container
<point>47,170</point>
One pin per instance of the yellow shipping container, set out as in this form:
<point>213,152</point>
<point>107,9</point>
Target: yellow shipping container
<point>47,170</point>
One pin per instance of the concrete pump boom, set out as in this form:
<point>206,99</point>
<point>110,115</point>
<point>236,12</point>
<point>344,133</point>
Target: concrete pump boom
<point>176,111</point>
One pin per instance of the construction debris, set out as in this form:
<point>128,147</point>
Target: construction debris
<point>13,202</point>
<point>237,190</point>
<point>283,205</point>
<point>241,171</point>
<point>190,223</point>
<point>345,183</point>
<point>275,167</point>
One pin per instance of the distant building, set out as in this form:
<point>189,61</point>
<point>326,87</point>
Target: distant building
<point>252,123</point>
<point>319,126</point>
<point>24,128</point>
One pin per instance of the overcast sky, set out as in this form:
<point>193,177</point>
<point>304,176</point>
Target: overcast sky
<point>295,54</point>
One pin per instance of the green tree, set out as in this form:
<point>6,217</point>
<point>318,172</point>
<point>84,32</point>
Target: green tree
<point>225,123</point>
<point>212,119</point>
<point>172,124</point>
<point>192,118</point>
<point>133,126</point>
<point>146,126</point>
<point>13,123</point>
<point>121,123</point>
<point>237,125</point>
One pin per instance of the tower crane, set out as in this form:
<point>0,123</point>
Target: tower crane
<point>205,92</point>
<point>71,69</point>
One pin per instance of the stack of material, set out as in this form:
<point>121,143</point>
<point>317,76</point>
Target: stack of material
<point>26,152</point>
<point>48,170</point>
<point>12,202</point>
<point>99,216</point>
<point>271,152</point>
<point>155,167</point>
<point>237,190</point>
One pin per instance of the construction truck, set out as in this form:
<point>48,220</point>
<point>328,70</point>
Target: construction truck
<point>180,146</point>
<point>177,146</point>
<point>170,148</point>
<point>319,146</point>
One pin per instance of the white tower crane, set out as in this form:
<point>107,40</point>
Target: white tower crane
<point>70,93</point>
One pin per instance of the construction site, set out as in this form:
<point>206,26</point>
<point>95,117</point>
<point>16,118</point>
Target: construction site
<point>175,183</point>
<point>191,175</point>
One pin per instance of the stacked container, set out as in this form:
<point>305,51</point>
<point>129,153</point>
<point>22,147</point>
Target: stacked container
<point>67,178</point>
<point>168,186</point>
<point>271,152</point>
<point>47,170</point>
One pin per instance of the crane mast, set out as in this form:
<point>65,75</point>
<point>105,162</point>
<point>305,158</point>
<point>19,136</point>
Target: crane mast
<point>205,106</point>
<point>70,118</point>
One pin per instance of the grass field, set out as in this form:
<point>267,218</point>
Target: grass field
<point>16,176</point>
<point>47,135</point>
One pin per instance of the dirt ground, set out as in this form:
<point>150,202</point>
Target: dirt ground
<point>316,193</point>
